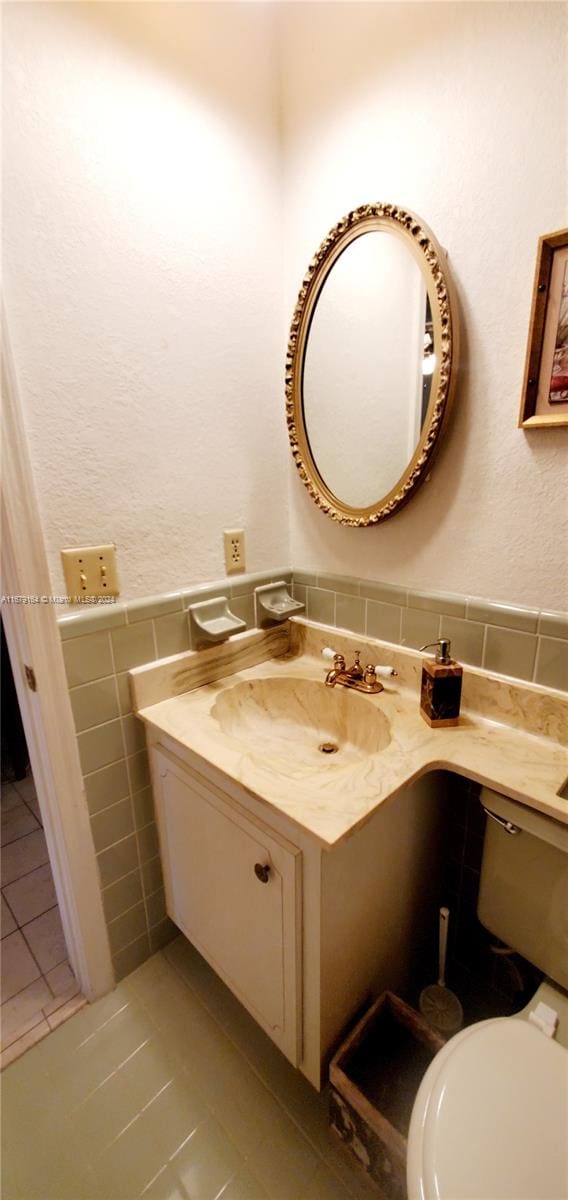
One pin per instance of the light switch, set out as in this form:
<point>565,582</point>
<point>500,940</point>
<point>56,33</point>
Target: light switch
<point>90,571</point>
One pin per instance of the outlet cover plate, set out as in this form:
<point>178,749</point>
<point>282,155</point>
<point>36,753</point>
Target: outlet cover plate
<point>90,571</point>
<point>234,543</point>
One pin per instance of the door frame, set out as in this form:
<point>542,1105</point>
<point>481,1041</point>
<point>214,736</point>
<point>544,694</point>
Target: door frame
<point>34,642</point>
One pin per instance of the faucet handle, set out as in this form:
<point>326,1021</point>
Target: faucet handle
<point>384,672</point>
<point>338,659</point>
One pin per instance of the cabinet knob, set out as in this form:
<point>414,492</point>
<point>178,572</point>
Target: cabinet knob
<point>261,872</point>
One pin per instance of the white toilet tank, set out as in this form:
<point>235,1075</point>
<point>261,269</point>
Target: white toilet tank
<point>523,894</point>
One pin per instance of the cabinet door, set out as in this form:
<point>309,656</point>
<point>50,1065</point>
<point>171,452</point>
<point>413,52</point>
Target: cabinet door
<point>233,889</point>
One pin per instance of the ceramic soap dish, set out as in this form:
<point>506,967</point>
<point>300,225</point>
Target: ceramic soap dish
<point>212,621</point>
<point>274,603</point>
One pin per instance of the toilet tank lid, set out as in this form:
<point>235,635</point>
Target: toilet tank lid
<point>491,1116</point>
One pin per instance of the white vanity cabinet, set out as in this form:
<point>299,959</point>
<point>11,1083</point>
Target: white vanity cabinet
<point>328,931</point>
<point>234,889</point>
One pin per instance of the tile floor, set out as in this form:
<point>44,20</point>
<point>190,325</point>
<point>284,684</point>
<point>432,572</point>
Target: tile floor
<point>37,986</point>
<point>167,1089</point>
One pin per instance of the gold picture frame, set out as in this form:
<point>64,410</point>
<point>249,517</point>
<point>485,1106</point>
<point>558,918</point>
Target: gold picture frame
<point>544,406</point>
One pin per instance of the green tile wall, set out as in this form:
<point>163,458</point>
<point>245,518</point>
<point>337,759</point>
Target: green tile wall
<point>523,643</point>
<point>100,645</point>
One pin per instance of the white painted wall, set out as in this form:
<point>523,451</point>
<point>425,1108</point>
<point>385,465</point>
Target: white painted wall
<point>142,276</point>
<point>143,270</point>
<point>457,111</point>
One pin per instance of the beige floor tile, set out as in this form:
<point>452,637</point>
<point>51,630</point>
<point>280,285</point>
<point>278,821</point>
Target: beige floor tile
<point>24,1043</point>
<point>104,1115</point>
<point>61,1014</point>
<point>241,1103</point>
<point>160,992</point>
<point>34,806</point>
<point>176,1113</point>
<point>16,822</point>
<point>325,1186</point>
<point>207,1162</point>
<point>98,1057</point>
<point>18,967</point>
<point>9,797</point>
<point>121,1107</point>
<point>32,895</point>
<point>24,855</point>
<point>26,788</point>
<point>7,921</point>
<point>56,1002</point>
<point>307,1107</point>
<point>60,979</point>
<point>81,1031</point>
<point>46,1165</point>
<point>23,1011</point>
<point>126,1167</point>
<point>46,939</point>
<point>165,1187</point>
<point>148,1071</point>
<point>244,1186</point>
<point>285,1162</point>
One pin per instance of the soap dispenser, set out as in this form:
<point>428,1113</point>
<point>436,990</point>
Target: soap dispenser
<point>440,691</point>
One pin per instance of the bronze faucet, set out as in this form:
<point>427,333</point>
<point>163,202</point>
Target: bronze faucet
<point>363,679</point>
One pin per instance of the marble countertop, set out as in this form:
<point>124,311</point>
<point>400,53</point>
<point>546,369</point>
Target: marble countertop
<point>331,801</point>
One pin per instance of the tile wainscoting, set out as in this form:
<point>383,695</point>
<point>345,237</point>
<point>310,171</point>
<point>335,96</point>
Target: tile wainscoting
<point>524,643</point>
<point>102,643</point>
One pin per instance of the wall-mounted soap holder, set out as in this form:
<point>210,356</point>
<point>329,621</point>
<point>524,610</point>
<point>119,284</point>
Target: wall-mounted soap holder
<point>274,603</point>
<point>212,621</point>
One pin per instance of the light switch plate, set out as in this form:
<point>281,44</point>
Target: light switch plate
<point>90,571</point>
<point>234,543</point>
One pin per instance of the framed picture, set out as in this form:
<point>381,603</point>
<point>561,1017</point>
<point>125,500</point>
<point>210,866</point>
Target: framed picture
<point>545,388</point>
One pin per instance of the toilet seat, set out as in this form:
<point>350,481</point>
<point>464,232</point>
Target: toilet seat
<point>490,1120</point>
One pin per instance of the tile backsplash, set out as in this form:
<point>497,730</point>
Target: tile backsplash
<point>524,643</point>
<point>101,644</point>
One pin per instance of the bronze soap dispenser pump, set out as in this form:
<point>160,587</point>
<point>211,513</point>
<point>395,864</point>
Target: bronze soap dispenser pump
<point>440,691</point>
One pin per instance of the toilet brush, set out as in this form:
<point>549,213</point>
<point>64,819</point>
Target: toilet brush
<point>440,1007</point>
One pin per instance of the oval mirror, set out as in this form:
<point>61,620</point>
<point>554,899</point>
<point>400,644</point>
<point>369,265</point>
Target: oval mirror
<point>371,364</point>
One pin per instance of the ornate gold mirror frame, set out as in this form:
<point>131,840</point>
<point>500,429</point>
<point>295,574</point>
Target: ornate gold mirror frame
<point>429,255</point>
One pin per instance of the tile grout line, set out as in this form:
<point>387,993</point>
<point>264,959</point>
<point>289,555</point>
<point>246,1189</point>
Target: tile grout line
<point>43,1016</point>
<point>242,1053</point>
<point>286,1112</point>
<point>131,872</point>
<point>132,807</point>
<point>20,836</point>
<point>26,801</point>
<point>38,964</point>
<point>26,873</point>
<point>130,908</point>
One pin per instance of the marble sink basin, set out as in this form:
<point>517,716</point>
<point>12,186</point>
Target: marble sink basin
<point>300,726</point>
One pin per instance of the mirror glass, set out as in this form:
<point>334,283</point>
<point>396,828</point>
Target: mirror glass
<point>371,364</point>
<point>367,370</point>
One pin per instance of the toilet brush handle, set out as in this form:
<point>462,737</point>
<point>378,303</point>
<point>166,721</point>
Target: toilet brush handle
<point>443,945</point>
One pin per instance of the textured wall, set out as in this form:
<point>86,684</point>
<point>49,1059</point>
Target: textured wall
<point>142,272</point>
<point>457,111</point>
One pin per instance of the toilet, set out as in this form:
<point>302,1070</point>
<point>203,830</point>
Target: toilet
<point>490,1120</point>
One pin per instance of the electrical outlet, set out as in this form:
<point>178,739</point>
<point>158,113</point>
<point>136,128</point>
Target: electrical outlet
<point>234,541</point>
<point>90,571</point>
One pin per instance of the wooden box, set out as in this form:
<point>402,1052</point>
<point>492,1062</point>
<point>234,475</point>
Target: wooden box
<point>374,1079</point>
